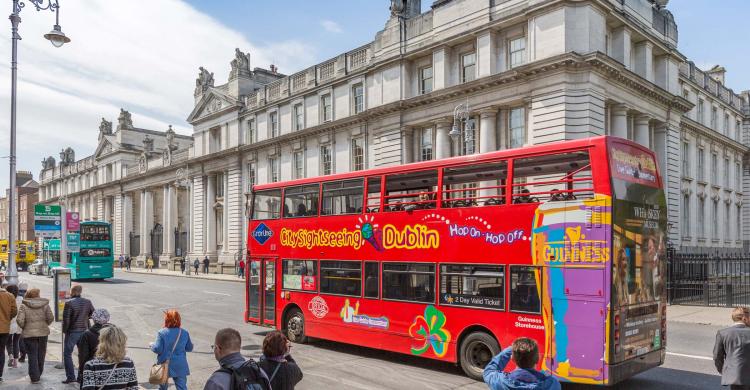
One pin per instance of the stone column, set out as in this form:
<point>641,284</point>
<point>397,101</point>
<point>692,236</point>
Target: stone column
<point>210,214</point>
<point>127,221</point>
<point>621,44</point>
<point>440,68</point>
<point>142,230</point>
<point>147,223</point>
<point>225,216</point>
<point>407,145</point>
<point>107,210</point>
<point>442,139</point>
<point>487,130</point>
<point>619,121</point>
<point>641,130</point>
<point>487,143</point>
<point>643,60</point>
<point>168,247</point>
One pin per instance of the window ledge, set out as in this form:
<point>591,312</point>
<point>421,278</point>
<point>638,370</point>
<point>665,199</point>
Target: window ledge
<point>702,181</point>
<point>687,178</point>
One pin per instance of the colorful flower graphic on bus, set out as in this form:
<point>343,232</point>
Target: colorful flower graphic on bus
<point>573,233</point>
<point>430,330</point>
<point>370,232</point>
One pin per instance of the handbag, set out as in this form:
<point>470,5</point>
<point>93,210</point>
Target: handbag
<point>159,373</point>
<point>109,377</point>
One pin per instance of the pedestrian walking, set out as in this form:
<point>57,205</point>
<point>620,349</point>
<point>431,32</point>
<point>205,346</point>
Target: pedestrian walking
<point>110,369</point>
<point>241,271</point>
<point>182,265</point>
<point>525,354</point>
<point>172,343</point>
<point>76,315</point>
<point>90,339</point>
<point>14,338</point>
<point>732,351</point>
<point>227,345</point>
<point>205,264</point>
<point>121,260</point>
<point>8,311</point>
<point>150,264</point>
<point>34,317</point>
<point>2,265</point>
<point>277,362</point>
<point>196,265</point>
<point>127,262</point>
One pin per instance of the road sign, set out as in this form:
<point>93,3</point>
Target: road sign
<point>74,242</point>
<point>72,221</point>
<point>47,220</point>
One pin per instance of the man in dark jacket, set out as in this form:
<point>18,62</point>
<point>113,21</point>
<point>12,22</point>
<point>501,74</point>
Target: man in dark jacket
<point>205,264</point>
<point>732,351</point>
<point>90,339</point>
<point>76,315</point>
<point>227,344</point>
<point>196,265</point>
<point>525,353</point>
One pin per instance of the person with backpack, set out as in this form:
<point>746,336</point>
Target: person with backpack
<point>90,340</point>
<point>172,343</point>
<point>235,373</point>
<point>196,265</point>
<point>277,362</point>
<point>525,354</point>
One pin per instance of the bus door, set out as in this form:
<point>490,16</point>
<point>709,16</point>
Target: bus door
<point>261,290</point>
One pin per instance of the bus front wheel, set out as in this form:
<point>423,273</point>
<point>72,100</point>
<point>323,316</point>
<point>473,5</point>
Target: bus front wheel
<point>477,349</point>
<point>295,326</point>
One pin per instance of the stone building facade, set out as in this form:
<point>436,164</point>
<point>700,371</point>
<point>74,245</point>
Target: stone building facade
<point>531,72</point>
<point>130,182</point>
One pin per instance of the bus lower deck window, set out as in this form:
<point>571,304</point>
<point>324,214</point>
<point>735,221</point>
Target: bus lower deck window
<point>472,285</point>
<point>414,282</point>
<point>341,278</point>
<point>524,291</point>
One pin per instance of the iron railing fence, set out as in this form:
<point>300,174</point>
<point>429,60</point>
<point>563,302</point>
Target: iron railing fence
<point>708,280</point>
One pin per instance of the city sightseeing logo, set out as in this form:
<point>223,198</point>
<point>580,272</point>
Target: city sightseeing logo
<point>370,232</point>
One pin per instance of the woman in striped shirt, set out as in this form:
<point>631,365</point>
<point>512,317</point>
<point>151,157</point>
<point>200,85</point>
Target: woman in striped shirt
<point>110,369</point>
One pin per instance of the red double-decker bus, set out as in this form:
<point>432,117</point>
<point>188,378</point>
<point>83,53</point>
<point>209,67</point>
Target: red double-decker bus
<point>453,259</point>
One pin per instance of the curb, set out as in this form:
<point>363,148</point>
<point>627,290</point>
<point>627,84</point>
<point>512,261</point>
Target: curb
<point>178,275</point>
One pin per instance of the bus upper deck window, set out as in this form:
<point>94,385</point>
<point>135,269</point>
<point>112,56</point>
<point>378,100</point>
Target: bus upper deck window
<point>342,197</point>
<point>301,201</point>
<point>552,177</point>
<point>373,194</point>
<point>410,191</point>
<point>266,204</point>
<point>475,185</point>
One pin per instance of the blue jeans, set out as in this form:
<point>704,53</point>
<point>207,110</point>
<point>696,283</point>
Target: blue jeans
<point>180,383</point>
<point>71,340</point>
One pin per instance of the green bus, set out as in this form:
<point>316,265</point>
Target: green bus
<point>94,260</point>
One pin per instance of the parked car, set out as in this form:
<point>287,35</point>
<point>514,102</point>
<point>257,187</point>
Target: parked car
<point>38,267</point>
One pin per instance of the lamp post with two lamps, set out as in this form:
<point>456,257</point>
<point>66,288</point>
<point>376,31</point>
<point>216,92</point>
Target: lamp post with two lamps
<point>58,38</point>
<point>460,114</point>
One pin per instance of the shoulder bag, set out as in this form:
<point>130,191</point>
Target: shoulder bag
<point>109,377</point>
<point>159,373</point>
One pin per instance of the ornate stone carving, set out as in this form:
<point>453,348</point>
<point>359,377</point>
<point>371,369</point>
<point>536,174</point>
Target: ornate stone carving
<point>148,144</point>
<point>48,163</point>
<point>124,121</point>
<point>204,80</point>
<point>67,156</point>
<point>397,7</point>
<point>142,163</point>
<point>240,64</point>
<point>105,127</point>
<point>170,134</point>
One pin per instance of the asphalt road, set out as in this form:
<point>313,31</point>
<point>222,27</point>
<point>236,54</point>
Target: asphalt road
<point>136,302</point>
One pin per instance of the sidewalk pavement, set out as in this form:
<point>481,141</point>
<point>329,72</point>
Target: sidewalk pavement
<point>166,272</point>
<point>701,315</point>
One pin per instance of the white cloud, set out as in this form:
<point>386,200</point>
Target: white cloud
<point>331,26</point>
<point>119,56</point>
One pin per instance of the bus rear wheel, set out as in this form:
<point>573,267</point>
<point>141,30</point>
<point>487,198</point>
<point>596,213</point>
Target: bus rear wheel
<point>295,326</point>
<point>477,349</point>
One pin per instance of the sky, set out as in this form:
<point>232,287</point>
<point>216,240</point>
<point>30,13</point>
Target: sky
<point>143,55</point>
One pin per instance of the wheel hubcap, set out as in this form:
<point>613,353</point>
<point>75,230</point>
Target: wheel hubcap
<point>479,354</point>
<point>295,326</point>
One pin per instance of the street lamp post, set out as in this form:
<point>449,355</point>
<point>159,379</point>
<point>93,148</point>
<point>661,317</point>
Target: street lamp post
<point>57,38</point>
<point>460,114</point>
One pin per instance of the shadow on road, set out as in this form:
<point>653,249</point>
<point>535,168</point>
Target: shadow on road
<point>369,353</point>
<point>109,281</point>
<point>660,378</point>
